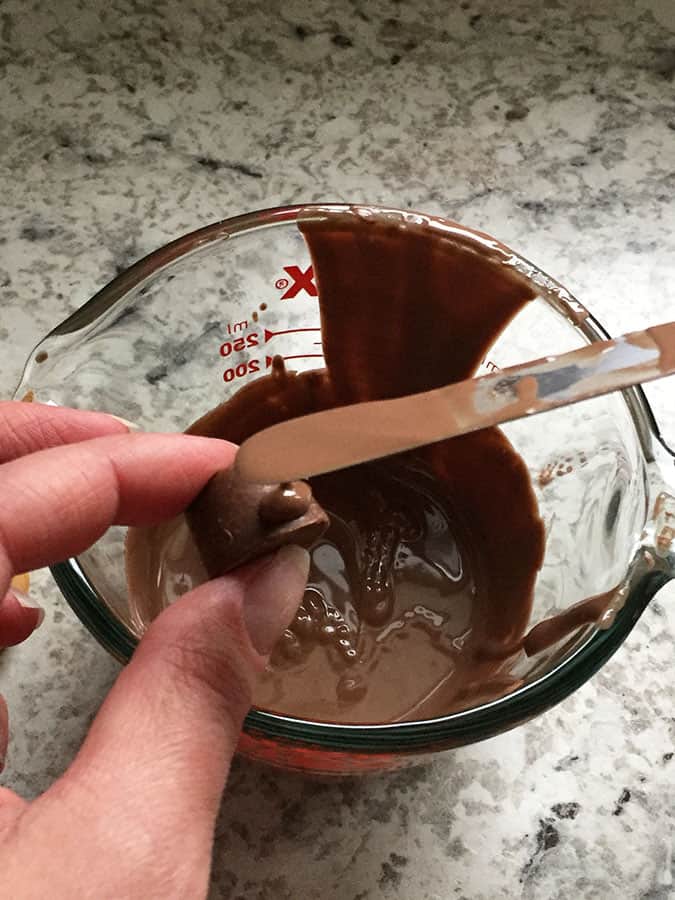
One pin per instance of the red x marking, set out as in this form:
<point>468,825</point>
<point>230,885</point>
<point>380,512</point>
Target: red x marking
<point>301,281</point>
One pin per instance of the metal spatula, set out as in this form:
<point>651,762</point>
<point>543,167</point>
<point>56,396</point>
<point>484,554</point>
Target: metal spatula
<point>348,435</point>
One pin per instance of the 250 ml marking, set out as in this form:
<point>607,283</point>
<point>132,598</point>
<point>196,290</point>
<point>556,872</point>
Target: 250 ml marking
<point>239,344</point>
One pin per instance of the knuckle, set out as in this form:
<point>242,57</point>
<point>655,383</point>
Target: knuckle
<point>221,671</point>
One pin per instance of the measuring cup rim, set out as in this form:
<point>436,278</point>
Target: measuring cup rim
<point>194,241</point>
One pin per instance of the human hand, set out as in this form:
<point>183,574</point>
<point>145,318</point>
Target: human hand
<point>134,814</point>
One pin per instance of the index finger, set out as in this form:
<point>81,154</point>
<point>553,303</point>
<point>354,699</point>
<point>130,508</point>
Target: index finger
<point>56,503</point>
<point>28,427</point>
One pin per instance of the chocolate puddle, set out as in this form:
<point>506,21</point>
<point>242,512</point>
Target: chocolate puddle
<point>420,590</point>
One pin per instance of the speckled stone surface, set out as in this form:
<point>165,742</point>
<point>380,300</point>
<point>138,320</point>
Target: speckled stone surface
<point>552,126</point>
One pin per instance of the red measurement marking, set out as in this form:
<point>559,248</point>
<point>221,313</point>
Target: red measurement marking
<point>233,327</point>
<point>302,281</point>
<point>270,334</point>
<point>268,359</point>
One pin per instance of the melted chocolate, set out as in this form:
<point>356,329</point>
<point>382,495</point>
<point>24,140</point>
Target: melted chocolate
<point>421,588</point>
<point>285,503</point>
<point>593,610</point>
<point>233,521</point>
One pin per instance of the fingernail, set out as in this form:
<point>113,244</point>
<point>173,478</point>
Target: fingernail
<point>131,426</point>
<point>273,596</point>
<point>21,582</point>
<point>27,603</point>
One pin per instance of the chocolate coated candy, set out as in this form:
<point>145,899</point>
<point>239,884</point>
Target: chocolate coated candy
<point>233,521</point>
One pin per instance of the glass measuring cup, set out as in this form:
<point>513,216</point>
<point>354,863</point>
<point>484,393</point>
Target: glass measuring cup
<point>184,328</point>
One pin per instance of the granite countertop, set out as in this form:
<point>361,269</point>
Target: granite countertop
<point>553,127</point>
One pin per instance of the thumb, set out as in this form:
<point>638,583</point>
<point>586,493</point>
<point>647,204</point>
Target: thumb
<point>160,748</point>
